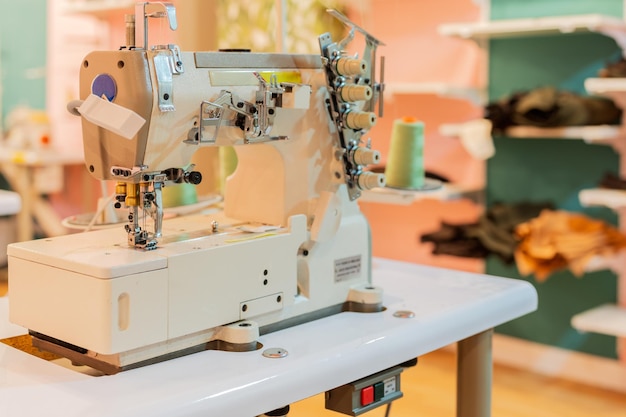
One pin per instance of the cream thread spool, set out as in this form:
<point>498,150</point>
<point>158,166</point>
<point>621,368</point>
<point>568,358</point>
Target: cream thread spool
<point>405,164</point>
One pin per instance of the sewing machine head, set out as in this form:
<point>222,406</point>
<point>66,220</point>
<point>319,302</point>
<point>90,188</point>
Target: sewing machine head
<point>299,118</point>
<point>291,244</point>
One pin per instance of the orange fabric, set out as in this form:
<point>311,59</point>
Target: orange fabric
<point>558,239</point>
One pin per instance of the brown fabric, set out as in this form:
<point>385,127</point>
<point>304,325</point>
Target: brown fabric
<point>612,181</point>
<point>493,233</point>
<point>557,240</point>
<point>549,107</point>
<point>615,69</point>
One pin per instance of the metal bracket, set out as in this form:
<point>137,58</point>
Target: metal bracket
<point>165,89</point>
<point>210,116</point>
<point>143,11</point>
<point>345,72</point>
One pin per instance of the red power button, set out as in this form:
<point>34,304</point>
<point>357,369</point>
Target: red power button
<point>367,395</point>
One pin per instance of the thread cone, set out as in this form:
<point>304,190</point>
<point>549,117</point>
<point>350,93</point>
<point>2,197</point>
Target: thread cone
<point>405,163</point>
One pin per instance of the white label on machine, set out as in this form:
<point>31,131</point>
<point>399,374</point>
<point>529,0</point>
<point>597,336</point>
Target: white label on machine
<point>347,268</point>
<point>390,385</point>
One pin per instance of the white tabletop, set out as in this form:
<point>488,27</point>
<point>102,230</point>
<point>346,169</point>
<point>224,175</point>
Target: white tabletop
<point>448,306</point>
<point>10,203</point>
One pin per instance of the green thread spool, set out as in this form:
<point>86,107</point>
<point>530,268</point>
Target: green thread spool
<point>177,195</point>
<point>405,164</point>
<point>228,164</point>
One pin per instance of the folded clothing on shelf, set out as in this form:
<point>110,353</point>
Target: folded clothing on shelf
<point>454,240</point>
<point>549,107</point>
<point>556,240</point>
<point>493,233</point>
<point>615,69</point>
<point>612,181</point>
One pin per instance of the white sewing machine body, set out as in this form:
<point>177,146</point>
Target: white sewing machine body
<point>95,293</point>
<point>290,245</point>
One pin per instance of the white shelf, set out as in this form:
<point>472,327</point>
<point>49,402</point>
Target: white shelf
<point>10,203</point>
<point>535,26</point>
<point>614,88</point>
<point>408,197</point>
<point>98,8</point>
<point>613,263</point>
<point>613,199</point>
<point>587,133</point>
<point>474,94</point>
<point>605,85</point>
<point>606,319</point>
<point>450,129</point>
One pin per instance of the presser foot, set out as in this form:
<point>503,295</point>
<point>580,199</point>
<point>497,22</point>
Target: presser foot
<point>237,337</point>
<point>141,239</point>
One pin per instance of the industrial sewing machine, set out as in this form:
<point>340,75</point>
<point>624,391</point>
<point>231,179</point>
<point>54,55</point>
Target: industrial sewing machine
<point>289,246</point>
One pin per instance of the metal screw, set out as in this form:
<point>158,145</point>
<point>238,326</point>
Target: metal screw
<point>404,314</point>
<point>275,353</point>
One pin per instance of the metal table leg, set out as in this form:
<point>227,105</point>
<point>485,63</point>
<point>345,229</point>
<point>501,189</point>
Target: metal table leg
<point>474,370</point>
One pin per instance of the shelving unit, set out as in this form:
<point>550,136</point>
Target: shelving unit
<point>406,197</point>
<point>538,26</point>
<point>606,319</point>
<point>509,28</point>
<point>490,35</point>
<point>589,134</point>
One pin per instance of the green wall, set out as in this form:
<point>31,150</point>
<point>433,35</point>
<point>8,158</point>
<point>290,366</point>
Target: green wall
<point>514,9</point>
<point>564,61</point>
<point>552,170</point>
<point>22,50</point>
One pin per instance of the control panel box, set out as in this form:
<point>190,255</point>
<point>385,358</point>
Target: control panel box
<point>366,394</point>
